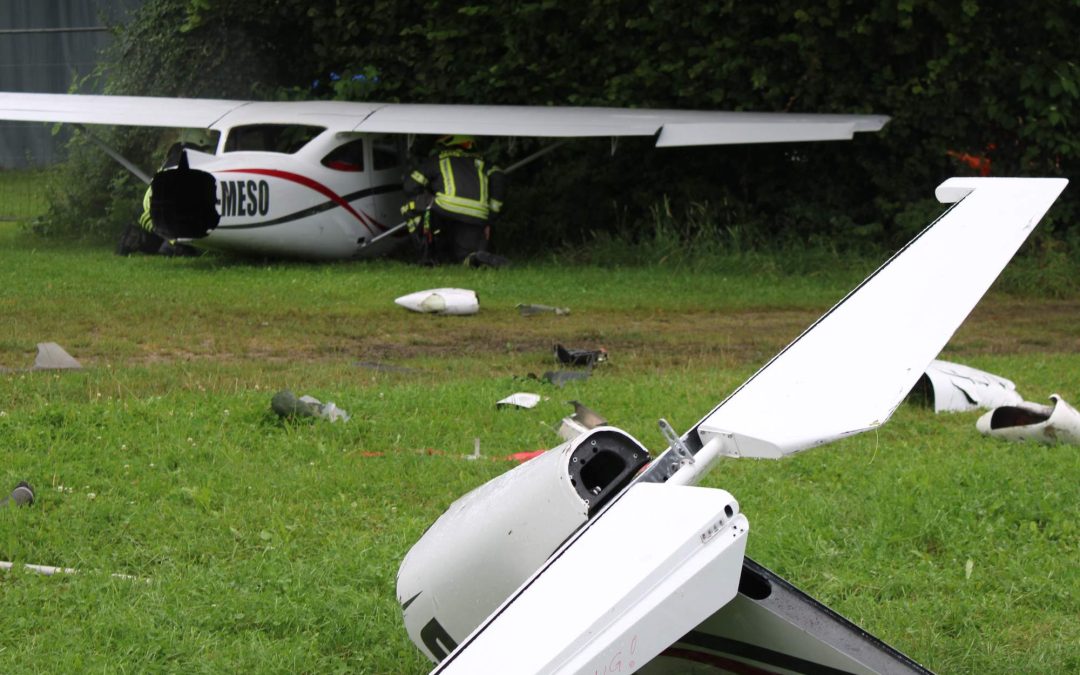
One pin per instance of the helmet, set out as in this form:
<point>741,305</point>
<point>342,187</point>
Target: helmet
<point>457,140</point>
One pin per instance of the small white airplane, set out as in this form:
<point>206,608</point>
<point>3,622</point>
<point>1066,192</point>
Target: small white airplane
<point>322,180</point>
<point>595,558</point>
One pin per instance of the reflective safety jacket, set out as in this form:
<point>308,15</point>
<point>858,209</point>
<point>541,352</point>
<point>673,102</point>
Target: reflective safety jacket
<point>464,188</point>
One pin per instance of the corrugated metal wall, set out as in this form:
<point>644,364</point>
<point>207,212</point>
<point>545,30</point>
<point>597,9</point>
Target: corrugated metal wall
<point>45,45</point>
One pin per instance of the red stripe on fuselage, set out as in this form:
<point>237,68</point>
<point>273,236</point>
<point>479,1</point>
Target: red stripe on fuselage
<point>314,185</point>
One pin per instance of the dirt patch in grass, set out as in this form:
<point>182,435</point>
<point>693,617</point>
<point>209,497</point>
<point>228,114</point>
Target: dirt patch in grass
<point>1014,325</point>
<point>999,325</point>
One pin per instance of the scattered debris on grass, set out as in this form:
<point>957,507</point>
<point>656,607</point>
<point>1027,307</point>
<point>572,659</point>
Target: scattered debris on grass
<point>456,301</point>
<point>476,450</point>
<point>953,387</point>
<point>50,356</point>
<point>580,357</point>
<point>533,310</point>
<point>521,399</point>
<point>1048,424</point>
<point>49,570</point>
<point>581,420</point>
<point>22,495</point>
<point>287,405</point>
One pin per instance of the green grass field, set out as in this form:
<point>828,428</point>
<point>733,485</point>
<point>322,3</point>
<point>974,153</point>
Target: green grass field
<point>263,546</point>
<point>23,193</point>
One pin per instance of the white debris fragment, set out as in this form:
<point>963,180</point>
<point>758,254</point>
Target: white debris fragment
<point>1049,424</point>
<point>955,388</point>
<point>326,410</point>
<point>455,301</point>
<point>519,400</point>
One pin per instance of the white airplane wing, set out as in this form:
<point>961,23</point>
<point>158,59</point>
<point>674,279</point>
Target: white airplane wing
<point>850,370</point>
<point>140,111</point>
<point>671,127</point>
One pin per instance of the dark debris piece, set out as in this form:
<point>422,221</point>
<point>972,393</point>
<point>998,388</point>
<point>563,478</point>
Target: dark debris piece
<point>22,495</point>
<point>286,404</point>
<point>580,357</point>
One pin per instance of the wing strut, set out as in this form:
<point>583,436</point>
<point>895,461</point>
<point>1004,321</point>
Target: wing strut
<point>120,159</point>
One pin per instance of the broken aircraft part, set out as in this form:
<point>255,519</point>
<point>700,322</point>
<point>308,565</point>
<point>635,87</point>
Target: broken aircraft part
<point>626,613</point>
<point>521,399</point>
<point>49,570</point>
<point>456,301</point>
<point>880,338</point>
<point>1048,424</point>
<point>570,481</point>
<point>52,356</point>
<point>954,387</point>
<point>533,310</point>
<point>22,495</point>
<point>580,421</point>
<point>877,341</point>
<point>287,404</point>
<point>579,357</point>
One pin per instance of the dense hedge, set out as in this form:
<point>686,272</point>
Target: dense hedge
<point>990,79</point>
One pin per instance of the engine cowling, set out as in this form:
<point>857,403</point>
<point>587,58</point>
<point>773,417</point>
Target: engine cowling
<point>492,539</point>
<point>183,202</point>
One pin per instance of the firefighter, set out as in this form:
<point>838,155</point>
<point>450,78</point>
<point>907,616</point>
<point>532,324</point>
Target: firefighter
<point>453,198</point>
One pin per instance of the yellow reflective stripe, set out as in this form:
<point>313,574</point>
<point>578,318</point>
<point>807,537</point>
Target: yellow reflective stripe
<point>482,177</point>
<point>447,176</point>
<point>469,207</point>
<point>496,205</point>
<point>144,220</point>
<point>419,177</point>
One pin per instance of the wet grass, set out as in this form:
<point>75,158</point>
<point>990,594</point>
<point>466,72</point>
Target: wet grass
<point>271,546</point>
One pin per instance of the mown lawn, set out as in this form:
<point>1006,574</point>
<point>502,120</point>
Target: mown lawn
<point>268,546</point>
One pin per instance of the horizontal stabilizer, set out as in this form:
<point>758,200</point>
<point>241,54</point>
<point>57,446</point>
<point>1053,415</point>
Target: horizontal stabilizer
<point>850,370</point>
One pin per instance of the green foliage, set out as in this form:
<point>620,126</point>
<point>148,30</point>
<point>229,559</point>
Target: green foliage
<point>976,78</point>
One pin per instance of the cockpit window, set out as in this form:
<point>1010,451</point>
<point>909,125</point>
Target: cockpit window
<point>284,138</point>
<point>387,153</point>
<point>347,157</point>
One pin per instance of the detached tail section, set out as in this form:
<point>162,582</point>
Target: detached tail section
<point>623,592</point>
<point>183,202</point>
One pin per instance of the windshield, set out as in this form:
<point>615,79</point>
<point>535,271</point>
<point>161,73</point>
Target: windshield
<point>283,138</point>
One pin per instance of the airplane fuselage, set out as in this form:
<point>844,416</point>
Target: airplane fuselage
<point>322,201</point>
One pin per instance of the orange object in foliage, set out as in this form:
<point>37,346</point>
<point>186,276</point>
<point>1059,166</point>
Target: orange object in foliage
<point>980,163</point>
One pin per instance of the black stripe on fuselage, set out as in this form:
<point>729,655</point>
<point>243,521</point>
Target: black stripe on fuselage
<point>319,208</point>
